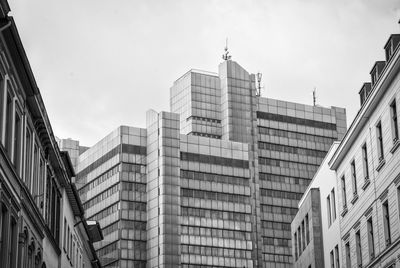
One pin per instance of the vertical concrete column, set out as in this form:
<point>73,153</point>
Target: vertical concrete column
<point>235,102</point>
<point>163,188</point>
<point>239,123</point>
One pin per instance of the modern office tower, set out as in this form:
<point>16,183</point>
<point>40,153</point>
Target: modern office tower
<point>213,183</point>
<point>73,148</point>
<point>42,222</point>
<point>111,181</point>
<point>315,229</point>
<point>367,168</point>
<point>287,142</point>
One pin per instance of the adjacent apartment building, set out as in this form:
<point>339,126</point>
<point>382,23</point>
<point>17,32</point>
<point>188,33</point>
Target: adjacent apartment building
<point>42,222</point>
<point>367,168</point>
<point>367,178</point>
<point>215,182</point>
<point>315,228</point>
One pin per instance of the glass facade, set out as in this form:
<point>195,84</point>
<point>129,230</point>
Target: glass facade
<point>214,183</point>
<point>111,182</point>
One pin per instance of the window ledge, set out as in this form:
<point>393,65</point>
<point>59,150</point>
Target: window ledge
<point>366,183</point>
<point>344,212</point>
<point>355,198</point>
<point>381,164</point>
<point>396,144</point>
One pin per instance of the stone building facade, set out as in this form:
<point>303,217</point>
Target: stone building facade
<point>367,177</point>
<point>36,192</point>
<point>366,164</point>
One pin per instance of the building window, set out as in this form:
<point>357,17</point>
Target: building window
<point>398,198</point>
<point>343,182</point>
<point>393,114</point>
<point>365,161</point>
<point>332,259</point>
<point>307,230</point>
<point>347,251</point>
<point>65,235</point>
<point>337,259</point>
<point>300,241</point>
<point>9,124</point>
<point>4,232</point>
<point>328,210</point>
<point>354,177</point>
<point>70,245</point>
<point>2,106</point>
<point>371,243</point>
<point>358,249</point>
<point>386,223</point>
<point>13,244</point>
<point>296,255</point>
<point>73,251</point>
<point>379,141</point>
<point>17,141</point>
<point>333,199</point>
<point>40,182</point>
<point>53,205</point>
<point>8,237</point>
<point>68,241</point>
<point>35,176</point>
<point>303,234</point>
<point>28,157</point>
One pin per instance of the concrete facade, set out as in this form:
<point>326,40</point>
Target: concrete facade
<point>307,243</point>
<point>321,196</point>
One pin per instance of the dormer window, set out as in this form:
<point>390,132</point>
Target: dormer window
<point>376,71</point>
<point>391,45</point>
<point>364,92</point>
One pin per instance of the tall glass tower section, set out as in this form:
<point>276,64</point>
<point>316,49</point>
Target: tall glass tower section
<point>215,182</point>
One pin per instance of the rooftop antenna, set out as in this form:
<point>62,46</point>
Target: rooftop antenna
<point>314,95</point>
<point>259,87</point>
<point>226,55</point>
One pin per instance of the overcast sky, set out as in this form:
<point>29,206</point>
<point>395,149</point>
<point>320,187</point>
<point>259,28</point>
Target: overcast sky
<point>101,64</point>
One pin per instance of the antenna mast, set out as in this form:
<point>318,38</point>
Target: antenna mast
<point>226,55</point>
<point>259,87</point>
<point>314,94</point>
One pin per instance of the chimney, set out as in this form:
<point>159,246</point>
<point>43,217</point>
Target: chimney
<point>364,92</point>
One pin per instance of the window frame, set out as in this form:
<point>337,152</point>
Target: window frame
<point>394,120</point>
<point>358,248</point>
<point>379,139</point>
<point>364,150</point>
<point>371,239</point>
<point>329,213</point>
<point>386,223</point>
<point>353,177</point>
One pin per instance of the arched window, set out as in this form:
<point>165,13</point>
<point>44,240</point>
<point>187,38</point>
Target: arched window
<point>38,258</point>
<point>31,252</point>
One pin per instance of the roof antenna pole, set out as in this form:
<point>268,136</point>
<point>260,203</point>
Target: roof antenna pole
<point>314,95</point>
<point>226,55</point>
<point>259,76</point>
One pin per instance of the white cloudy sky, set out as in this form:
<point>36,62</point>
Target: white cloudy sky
<point>100,64</point>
